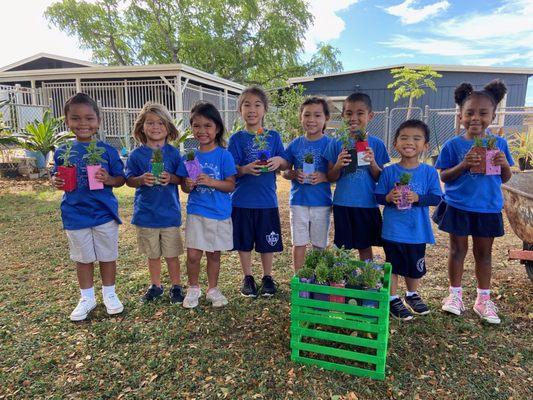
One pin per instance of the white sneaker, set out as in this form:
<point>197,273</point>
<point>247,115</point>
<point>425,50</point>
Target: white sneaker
<point>82,310</point>
<point>215,296</point>
<point>192,296</point>
<point>113,304</point>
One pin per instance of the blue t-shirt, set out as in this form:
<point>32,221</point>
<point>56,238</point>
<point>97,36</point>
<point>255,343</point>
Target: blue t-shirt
<point>206,201</point>
<point>411,225</point>
<point>254,191</point>
<point>471,192</point>
<point>304,194</point>
<point>156,206</point>
<point>356,189</point>
<point>84,208</point>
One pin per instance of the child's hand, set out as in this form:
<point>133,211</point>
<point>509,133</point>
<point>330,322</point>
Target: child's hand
<point>189,184</point>
<point>343,159</point>
<point>393,196</point>
<point>205,180</point>
<point>252,169</point>
<point>300,176</point>
<point>274,163</point>
<point>471,159</point>
<point>369,156</point>
<point>500,159</point>
<point>318,177</point>
<point>147,179</point>
<point>164,179</point>
<point>102,176</point>
<point>412,197</point>
<point>57,182</point>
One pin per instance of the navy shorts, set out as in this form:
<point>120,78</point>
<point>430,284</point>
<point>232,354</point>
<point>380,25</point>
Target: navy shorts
<point>468,223</point>
<point>256,226</point>
<point>407,259</point>
<point>357,228</point>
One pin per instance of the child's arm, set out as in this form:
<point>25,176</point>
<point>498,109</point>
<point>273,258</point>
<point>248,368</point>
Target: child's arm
<point>114,181</point>
<point>187,185</point>
<point>146,179</point>
<point>167,178</point>
<point>227,185</point>
<point>252,169</point>
<point>375,170</point>
<point>334,170</point>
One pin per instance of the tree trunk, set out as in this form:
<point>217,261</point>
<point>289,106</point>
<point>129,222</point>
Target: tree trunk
<point>409,108</point>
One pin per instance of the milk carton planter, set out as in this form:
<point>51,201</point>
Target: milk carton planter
<point>492,150</point>
<point>93,160</point>
<point>404,189</point>
<point>308,167</point>
<point>67,171</point>
<point>192,165</point>
<point>157,165</point>
<point>344,337</point>
<point>261,145</point>
<point>361,146</point>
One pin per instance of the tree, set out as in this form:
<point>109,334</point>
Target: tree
<point>284,113</point>
<point>325,61</point>
<point>409,83</point>
<point>250,41</point>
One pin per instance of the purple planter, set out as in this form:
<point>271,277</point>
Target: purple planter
<point>194,169</point>
<point>492,169</point>
<point>404,204</point>
<point>306,295</point>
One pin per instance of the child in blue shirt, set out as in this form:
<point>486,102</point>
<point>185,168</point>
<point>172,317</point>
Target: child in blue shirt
<point>90,217</point>
<point>472,202</point>
<point>255,212</point>
<point>356,214</point>
<point>209,225</point>
<point>310,198</point>
<point>156,209</point>
<point>406,231</point>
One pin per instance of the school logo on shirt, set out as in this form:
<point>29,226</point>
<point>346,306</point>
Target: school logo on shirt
<point>272,238</point>
<point>421,265</point>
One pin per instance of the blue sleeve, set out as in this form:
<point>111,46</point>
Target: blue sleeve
<point>380,198</point>
<point>433,195</point>
<point>445,157</point>
<point>228,165</point>
<point>289,151</point>
<point>181,170</point>
<point>332,151</point>
<point>383,183</point>
<point>132,167</point>
<point>116,166</point>
<point>278,149</point>
<point>507,153</point>
<point>235,149</point>
<point>380,154</point>
<point>425,200</point>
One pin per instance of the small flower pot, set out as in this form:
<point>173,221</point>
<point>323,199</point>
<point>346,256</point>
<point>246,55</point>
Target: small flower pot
<point>156,168</point>
<point>91,176</point>
<point>262,157</point>
<point>306,295</point>
<point>68,175</point>
<point>482,166</point>
<point>308,170</point>
<point>320,296</point>
<point>491,169</point>
<point>194,169</point>
<point>523,165</point>
<point>334,298</point>
<point>352,167</point>
<point>361,147</point>
<point>404,204</point>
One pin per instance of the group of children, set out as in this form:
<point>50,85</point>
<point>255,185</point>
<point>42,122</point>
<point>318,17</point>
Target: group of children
<point>232,204</point>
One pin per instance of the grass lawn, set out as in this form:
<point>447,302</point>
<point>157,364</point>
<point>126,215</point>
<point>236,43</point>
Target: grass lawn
<point>241,351</point>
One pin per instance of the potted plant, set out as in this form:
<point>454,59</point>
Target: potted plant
<point>308,167</point>
<point>336,279</point>
<point>312,258</point>
<point>361,146</point>
<point>93,160</point>
<point>306,275</point>
<point>194,169</point>
<point>521,146</point>
<point>348,144</point>
<point>479,149</point>
<point>403,187</point>
<point>157,165</point>
<point>67,171</point>
<point>370,279</point>
<point>321,278</point>
<point>261,144</point>
<point>492,150</point>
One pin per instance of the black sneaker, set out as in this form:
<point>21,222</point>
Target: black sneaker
<point>176,294</point>
<point>416,305</point>
<point>153,292</point>
<point>249,288</point>
<point>268,286</point>
<point>399,311</point>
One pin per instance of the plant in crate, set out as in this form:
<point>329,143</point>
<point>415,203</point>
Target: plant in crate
<point>370,276</point>
<point>403,187</point>
<point>157,165</point>
<point>308,167</point>
<point>322,278</point>
<point>344,135</point>
<point>261,144</point>
<point>67,171</point>
<point>351,274</point>
<point>93,160</point>
<point>194,169</point>
<point>361,146</point>
<point>336,279</point>
<point>306,275</point>
<point>492,150</point>
<point>521,147</point>
<point>479,149</point>
<point>312,258</point>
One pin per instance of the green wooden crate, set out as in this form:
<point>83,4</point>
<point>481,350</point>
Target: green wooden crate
<point>337,336</point>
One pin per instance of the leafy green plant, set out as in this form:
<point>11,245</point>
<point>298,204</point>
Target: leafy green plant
<point>260,139</point>
<point>67,153</point>
<point>306,273</point>
<point>336,274</point>
<point>361,135</point>
<point>478,142</point>
<point>369,277</point>
<point>322,274</point>
<point>157,155</point>
<point>344,135</point>
<point>491,143</point>
<point>309,158</point>
<point>312,259</point>
<point>521,146</point>
<point>94,154</point>
<point>405,178</point>
<point>189,156</point>
<point>284,114</point>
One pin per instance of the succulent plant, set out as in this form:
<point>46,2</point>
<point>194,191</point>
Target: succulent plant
<point>94,154</point>
<point>405,178</point>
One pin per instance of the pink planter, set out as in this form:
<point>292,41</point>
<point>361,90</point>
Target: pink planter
<point>404,204</point>
<point>91,172</point>
<point>492,169</point>
<point>194,169</point>
<point>335,298</point>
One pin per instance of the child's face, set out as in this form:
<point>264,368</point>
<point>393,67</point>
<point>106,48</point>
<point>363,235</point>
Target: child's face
<point>204,130</point>
<point>356,114</point>
<point>154,128</point>
<point>82,120</point>
<point>313,119</point>
<point>476,115</point>
<point>411,142</point>
<point>252,111</point>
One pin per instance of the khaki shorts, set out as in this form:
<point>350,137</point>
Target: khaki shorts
<point>310,225</point>
<point>98,243</point>
<point>208,234</point>
<point>159,242</point>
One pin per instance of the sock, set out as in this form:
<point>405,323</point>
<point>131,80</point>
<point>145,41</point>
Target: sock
<point>108,290</point>
<point>483,292</point>
<point>393,297</point>
<point>409,294</point>
<point>88,294</point>
<point>457,290</point>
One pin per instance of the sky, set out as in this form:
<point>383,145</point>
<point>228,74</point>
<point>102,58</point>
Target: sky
<point>368,33</point>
